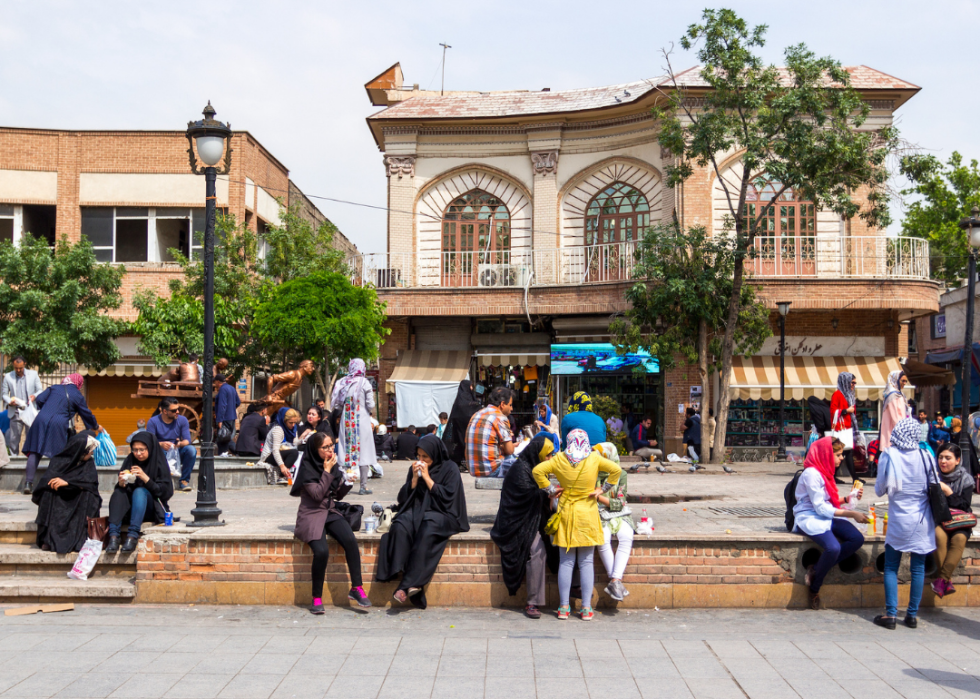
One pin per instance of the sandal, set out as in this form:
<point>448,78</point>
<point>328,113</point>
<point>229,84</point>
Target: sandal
<point>563,611</point>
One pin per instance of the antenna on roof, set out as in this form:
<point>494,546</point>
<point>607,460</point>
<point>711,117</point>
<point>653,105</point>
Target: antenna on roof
<point>442,88</point>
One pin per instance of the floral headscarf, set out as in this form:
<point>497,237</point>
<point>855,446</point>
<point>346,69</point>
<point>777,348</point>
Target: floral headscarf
<point>580,401</point>
<point>355,372</point>
<point>906,434</point>
<point>577,446</point>
<point>75,380</point>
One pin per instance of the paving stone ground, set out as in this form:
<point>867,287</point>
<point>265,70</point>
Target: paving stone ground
<point>260,652</point>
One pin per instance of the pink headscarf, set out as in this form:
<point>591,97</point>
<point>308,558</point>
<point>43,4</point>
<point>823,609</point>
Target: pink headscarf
<point>75,379</point>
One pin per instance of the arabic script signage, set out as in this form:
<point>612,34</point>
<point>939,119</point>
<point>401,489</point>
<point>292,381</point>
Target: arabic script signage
<point>820,346</point>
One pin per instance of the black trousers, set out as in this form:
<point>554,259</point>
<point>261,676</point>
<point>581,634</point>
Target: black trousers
<point>340,530</point>
<point>849,463</point>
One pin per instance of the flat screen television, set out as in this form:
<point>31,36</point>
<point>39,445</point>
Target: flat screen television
<point>598,358</point>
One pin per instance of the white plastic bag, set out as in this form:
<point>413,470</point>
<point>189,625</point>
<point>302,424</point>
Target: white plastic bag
<point>173,460</point>
<point>674,458</point>
<point>87,558</point>
<point>27,415</point>
<point>377,471</point>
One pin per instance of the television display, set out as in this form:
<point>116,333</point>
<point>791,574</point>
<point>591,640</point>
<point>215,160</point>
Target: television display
<point>598,358</point>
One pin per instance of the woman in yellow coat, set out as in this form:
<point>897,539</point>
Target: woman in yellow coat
<point>579,528</point>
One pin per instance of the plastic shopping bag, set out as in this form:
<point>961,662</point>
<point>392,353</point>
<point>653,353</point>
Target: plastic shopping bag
<point>28,414</point>
<point>105,453</point>
<point>87,558</point>
<point>173,460</point>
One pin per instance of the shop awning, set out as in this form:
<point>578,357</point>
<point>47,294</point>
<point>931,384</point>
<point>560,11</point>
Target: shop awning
<point>921,374</point>
<point>144,370</point>
<point>439,366</point>
<point>530,356</point>
<point>757,378</point>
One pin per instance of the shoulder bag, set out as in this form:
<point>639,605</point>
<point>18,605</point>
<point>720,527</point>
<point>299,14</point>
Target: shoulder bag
<point>98,528</point>
<point>937,498</point>
<point>959,521</point>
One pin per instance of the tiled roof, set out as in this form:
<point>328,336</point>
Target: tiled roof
<point>522,102</point>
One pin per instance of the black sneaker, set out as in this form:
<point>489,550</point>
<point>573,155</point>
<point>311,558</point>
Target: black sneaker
<point>357,594</point>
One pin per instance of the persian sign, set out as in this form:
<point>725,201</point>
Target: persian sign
<point>825,346</point>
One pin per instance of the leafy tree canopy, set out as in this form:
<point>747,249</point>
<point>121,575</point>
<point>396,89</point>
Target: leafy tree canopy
<point>54,304</point>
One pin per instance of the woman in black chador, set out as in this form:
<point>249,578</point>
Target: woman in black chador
<point>146,498</point>
<point>67,494</point>
<point>431,508</point>
<point>465,406</point>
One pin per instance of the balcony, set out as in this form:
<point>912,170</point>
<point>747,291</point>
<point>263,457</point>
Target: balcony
<point>818,258</point>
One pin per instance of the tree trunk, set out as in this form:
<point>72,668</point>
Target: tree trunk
<point>703,373</point>
<point>727,350</point>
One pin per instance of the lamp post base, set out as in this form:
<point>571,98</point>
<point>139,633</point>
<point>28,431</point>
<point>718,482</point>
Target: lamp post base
<point>206,516</point>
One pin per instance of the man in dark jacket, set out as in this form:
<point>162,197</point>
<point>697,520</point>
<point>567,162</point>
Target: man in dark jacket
<point>254,428</point>
<point>407,444</point>
<point>225,412</point>
<point>692,436</point>
<point>642,439</point>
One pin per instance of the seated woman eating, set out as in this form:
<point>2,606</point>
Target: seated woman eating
<point>67,494</point>
<point>142,493</point>
<point>819,515</point>
<point>431,508</point>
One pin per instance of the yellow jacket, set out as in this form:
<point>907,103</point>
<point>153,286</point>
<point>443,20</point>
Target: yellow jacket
<point>578,512</point>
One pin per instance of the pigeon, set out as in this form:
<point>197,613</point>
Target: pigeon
<point>661,469</point>
<point>693,468</point>
<point>727,469</point>
<point>377,508</point>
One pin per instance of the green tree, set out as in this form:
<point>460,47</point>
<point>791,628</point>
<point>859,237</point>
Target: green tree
<point>322,316</point>
<point>798,125</point>
<point>296,249</point>
<point>947,195</point>
<point>679,303</point>
<point>55,304</point>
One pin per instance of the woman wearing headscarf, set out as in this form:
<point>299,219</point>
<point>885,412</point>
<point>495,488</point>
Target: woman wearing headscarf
<point>67,495</point>
<point>48,435</point>
<point>581,417</point>
<point>547,422</point>
<point>355,436</point>
<point>320,484</point>
<point>579,529</point>
<point>957,485</point>
<point>894,410</point>
<point>278,462</point>
<point>518,529</point>
<point>384,444</point>
<point>431,508</point>
<point>843,405</point>
<point>465,407</point>
<point>820,514</point>
<point>904,474</point>
<point>142,493</point>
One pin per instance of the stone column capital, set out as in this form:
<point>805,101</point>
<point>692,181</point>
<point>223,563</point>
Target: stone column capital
<point>400,165</point>
<point>544,162</point>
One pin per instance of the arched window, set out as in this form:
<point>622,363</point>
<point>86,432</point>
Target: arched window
<point>475,232</point>
<point>617,214</point>
<point>788,226</point>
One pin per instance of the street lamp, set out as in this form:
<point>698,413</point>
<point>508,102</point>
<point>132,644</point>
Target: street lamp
<point>971,225</point>
<point>213,139</point>
<point>783,307</point>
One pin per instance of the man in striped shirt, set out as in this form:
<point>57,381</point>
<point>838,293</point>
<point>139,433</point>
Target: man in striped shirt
<point>489,445</point>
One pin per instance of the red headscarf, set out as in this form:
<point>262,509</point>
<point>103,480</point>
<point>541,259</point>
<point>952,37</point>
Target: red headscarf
<point>75,379</point>
<point>821,457</point>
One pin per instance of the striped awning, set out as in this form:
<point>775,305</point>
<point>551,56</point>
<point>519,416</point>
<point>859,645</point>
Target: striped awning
<point>145,370</point>
<point>440,366</point>
<point>528,357</point>
<point>757,378</point>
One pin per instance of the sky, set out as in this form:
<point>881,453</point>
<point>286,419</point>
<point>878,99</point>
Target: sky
<point>292,72</point>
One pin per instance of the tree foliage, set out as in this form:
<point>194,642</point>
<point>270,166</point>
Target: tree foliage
<point>798,125</point>
<point>322,317</point>
<point>55,304</point>
<point>948,193</point>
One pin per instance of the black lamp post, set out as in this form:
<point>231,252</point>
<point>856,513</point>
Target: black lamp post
<point>971,225</point>
<point>213,139</point>
<point>783,307</point>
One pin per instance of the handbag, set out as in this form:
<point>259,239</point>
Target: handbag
<point>352,513</point>
<point>842,433</point>
<point>384,520</point>
<point>937,498</point>
<point>97,528</point>
<point>959,521</point>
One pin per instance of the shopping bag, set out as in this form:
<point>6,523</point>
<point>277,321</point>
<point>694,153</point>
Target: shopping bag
<point>173,460</point>
<point>28,414</point>
<point>87,558</point>
<point>105,453</point>
<point>842,432</point>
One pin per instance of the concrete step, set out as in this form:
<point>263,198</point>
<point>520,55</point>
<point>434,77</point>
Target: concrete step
<point>15,532</point>
<point>24,560</point>
<point>55,588</point>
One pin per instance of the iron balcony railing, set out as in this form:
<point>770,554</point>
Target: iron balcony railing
<point>834,257</point>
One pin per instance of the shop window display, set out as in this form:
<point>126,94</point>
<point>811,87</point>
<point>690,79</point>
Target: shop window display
<point>755,423</point>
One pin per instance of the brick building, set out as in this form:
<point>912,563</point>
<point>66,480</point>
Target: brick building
<point>134,196</point>
<point>513,219</point>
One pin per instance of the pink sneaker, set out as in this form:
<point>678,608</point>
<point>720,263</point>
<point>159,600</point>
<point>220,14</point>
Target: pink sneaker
<point>949,588</point>
<point>939,587</point>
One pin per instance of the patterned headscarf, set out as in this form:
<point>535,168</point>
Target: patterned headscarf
<point>844,381</point>
<point>75,380</point>
<point>577,446</point>
<point>355,372</point>
<point>906,434</point>
<point>892,390</point>
<point>580,401</point>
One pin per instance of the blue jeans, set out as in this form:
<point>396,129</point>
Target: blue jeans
<point>504,466</point>
<point>188,455</point>
<point>917,564</point>
<point>140,500</point>
<point>841,541</point>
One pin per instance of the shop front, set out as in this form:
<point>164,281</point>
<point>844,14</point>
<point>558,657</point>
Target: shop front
<point>423,384</point>
<point>526,372</point>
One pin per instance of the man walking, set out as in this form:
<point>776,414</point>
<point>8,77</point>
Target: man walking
<point>225,412</point>
<point>173,431</point>
<point>489,445</point>
<point>20,387</point>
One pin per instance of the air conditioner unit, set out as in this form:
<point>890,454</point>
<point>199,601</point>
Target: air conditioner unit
<point>502,275</point>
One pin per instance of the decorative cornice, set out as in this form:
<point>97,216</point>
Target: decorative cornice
<point>399,130</point>
<point>400,165</point>
<point>882,104</point>
<point>545,162</point>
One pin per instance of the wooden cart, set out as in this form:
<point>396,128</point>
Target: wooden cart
<point>189,393</point>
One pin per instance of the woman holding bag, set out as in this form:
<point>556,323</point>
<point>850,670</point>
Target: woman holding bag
<point>842,408</point>
<point>957,486</point>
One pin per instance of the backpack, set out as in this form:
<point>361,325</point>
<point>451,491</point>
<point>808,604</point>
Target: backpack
<point>789,495</point>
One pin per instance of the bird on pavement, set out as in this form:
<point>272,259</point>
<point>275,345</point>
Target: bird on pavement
<point>727,469</point>
<point>661,469</point>
<point>693,468</point>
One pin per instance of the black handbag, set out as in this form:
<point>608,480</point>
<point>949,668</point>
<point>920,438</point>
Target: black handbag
<point>352,513</point>
<point>937,498</point>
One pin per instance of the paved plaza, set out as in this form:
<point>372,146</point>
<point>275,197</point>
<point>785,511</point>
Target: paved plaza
<point>259,652</point>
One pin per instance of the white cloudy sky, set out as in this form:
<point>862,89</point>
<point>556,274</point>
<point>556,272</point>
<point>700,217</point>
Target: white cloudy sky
<point>292,72</point>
